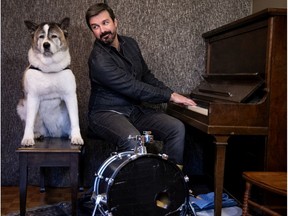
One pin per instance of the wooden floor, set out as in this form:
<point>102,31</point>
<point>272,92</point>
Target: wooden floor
<point>10,197</point>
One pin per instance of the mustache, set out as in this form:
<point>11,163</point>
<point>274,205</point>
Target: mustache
<point>105,33</point>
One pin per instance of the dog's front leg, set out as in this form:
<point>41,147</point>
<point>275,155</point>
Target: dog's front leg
<point>72,107</point>
<point>32,109</point>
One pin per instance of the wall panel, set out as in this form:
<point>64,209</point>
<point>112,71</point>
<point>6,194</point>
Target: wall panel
<point>168,31</point>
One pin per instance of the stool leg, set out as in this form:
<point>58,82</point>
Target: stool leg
<point>81,170</point>
<point>245,200</point>
<point>42,179</point>
<point>23,182</point>
<point>74,165</point>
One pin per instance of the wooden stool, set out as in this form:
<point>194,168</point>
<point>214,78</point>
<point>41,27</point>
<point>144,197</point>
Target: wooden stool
<point>275,182</point>
<point>51,152</point>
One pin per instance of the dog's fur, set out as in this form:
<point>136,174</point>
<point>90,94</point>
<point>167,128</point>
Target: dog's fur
<point>49,107</point>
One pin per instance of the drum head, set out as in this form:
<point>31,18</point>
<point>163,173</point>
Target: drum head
<point>147,185</point>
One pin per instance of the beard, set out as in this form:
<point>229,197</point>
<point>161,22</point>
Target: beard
<point>107,37</point>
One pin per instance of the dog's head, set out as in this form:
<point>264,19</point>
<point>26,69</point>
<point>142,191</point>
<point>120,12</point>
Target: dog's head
<point>49,38</point>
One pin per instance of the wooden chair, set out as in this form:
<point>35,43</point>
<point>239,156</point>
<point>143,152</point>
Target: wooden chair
<point>50,152</point>
<point>274,182</point>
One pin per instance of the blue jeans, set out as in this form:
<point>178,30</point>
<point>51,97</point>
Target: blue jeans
<point>116,128</point>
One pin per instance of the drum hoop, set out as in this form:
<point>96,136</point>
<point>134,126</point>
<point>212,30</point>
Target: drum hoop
<point>105,164</point>
<point>108,161</point>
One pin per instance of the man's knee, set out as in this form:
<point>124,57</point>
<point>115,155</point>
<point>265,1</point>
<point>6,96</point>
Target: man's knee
<point>178,127</point>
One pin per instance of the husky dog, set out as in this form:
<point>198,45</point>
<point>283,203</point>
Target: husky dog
<point>49,107</point>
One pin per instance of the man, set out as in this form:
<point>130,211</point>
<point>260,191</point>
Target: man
<point>120,82</point>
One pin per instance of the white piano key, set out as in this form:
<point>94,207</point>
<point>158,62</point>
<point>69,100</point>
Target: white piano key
<point>198,109</point>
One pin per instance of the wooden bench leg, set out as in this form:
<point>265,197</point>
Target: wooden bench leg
<point>23,182</point>
<point>74,176</point>
<point>81,170</point>
<point>42,179</point>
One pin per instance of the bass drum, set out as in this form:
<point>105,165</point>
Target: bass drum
<point>137,185</point>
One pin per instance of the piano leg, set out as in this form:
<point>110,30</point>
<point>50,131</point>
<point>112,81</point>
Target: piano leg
<point>221,143</point>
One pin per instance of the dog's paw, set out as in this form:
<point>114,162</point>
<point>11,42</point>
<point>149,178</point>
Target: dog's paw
<point>27,142</point>
<point>77,140</point>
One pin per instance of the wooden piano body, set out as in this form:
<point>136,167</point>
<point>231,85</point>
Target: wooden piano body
<point>244,90</point>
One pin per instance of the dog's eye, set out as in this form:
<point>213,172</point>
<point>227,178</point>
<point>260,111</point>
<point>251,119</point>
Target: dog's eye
<point>54,36</point>
<point>41,36</point>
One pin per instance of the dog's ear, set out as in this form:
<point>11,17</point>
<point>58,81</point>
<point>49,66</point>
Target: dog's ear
<point>31,26</point>
<point>64,24</point>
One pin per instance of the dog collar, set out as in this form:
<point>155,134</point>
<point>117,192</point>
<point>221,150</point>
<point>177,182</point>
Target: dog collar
<point>35,68</point>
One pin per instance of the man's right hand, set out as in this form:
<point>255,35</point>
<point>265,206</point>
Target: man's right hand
<point>180,99</point>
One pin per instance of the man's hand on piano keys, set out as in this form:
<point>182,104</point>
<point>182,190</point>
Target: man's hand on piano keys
<point>180,99</point>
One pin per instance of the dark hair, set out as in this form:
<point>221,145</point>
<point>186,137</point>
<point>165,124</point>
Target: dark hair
<point>97,9</point>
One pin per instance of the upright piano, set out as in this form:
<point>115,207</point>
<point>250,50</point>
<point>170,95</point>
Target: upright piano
<point>244,89</point>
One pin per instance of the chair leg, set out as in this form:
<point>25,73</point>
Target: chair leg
<point>246,198</point>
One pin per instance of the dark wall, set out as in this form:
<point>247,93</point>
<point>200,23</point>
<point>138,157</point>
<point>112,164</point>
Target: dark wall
<point>168,32</point>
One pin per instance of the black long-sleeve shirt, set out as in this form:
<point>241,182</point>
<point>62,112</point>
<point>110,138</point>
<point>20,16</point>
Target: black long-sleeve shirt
<point>121,80</point>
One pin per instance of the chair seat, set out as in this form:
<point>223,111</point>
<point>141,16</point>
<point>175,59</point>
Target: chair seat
<point>275,182</point>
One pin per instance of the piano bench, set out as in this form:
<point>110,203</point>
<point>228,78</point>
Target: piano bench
<point>50,152</point>
<point>273,182</point>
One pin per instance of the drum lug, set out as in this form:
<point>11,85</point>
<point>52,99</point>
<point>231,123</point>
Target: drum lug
<point>119,156</point>
<point>98,176</point>
<point>133,157</point>
<point>164,156</point>
<point>113,153</point>
<point>109,181</point>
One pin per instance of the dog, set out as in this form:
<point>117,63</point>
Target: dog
<point>49,107</point>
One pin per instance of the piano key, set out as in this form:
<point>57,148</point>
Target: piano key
<point>198,109</point>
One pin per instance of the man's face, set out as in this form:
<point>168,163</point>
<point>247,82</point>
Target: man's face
<point>103,27</point>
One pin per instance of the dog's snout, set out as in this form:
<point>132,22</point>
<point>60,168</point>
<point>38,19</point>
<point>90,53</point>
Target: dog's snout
<point>46,45</point>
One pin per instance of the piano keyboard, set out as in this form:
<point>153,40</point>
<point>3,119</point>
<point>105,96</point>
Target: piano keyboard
<point>198,109</point>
